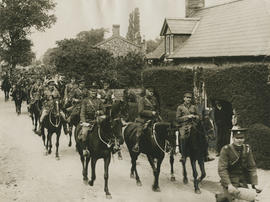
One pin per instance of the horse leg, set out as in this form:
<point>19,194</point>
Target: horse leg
<point>50,142</point>
<point>185,180</point>
<point>106,176</point>
<point>171,163</point>
<point>195,175</point>
<point>70,135</point>
<point>155,171</point>
<point>134,169</point>
<point>202,168</point>
<point>85,161</point>
<point>156,182</point>
<point>57,145</point>
<point>93,171</point>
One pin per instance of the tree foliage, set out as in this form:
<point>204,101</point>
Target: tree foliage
<point>152,44</point>
<point>133,33</point>
<point>92,37</point>
<point>18,18</point>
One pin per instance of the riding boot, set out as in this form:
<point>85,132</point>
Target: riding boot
<point>182,149</point>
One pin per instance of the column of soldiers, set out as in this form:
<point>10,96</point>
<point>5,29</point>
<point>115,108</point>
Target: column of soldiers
<point>236,165</point>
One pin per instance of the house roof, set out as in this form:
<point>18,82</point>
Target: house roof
<point>238,28</point>
<point>158,52</point>
<point>116,37</point>
<point>178,25</point>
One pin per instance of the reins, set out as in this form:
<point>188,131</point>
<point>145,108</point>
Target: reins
<point>154,136</point>
<point>50,118</point>
<point>103,141</point>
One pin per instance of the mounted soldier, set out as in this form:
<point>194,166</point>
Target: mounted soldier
<point>148,109</point>
<point>91,112</point>
<point>69,87</point>
<point>106,94</point>
<point>185,114</point>
<point>36,92</point>
<point>51,97</point>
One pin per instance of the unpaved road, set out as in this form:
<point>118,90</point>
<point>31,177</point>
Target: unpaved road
<point>27,175</point>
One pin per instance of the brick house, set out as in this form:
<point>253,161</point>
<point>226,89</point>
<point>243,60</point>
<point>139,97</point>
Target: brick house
<point>233,32</point>
<point>118,45</point>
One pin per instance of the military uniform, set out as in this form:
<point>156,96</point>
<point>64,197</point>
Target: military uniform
<point>236,167</point>
<point>147,111</point>
<point>182,118</point>
<point>89,109</point>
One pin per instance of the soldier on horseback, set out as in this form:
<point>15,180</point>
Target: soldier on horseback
<point>185,114</point>
<point>106,94</point>
<point>76,95</point>
<point>51,96</point>
<point>36,92</point>
<point>91,111</point>
<point>147,111</point>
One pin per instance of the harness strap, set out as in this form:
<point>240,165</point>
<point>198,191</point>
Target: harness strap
<point>154,136</point>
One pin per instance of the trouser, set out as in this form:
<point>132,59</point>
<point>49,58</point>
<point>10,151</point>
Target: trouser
<point>45,112</point>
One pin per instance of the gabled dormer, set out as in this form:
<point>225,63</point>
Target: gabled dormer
<point>176,31</point>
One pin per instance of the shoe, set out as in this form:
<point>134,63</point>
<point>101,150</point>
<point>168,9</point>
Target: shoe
<point>208,159</point>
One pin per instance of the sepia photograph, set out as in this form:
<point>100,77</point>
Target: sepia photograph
<point>135,100</point>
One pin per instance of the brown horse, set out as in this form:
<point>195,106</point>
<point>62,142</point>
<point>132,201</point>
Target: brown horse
<point>100,142</point>
<point>53,123</point>
<point>153,143</point>
<point>195,148</point>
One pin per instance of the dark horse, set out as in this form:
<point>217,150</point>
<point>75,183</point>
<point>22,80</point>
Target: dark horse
<point>195,144</point>
<point>35,111</point>
<point>53,123</point>
<point>18,96</point>
<point>100,142</point>
<point>153,143</point>
<point>6,86</point>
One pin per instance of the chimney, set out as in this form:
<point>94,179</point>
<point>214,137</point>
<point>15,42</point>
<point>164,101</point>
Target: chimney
<point>192,6</point>
<point>116,30</point>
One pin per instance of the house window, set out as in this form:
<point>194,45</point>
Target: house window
<point>167,48</point>
<point>171,44</point>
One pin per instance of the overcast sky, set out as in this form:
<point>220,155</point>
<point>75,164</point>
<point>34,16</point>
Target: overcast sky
<point>74,16</point>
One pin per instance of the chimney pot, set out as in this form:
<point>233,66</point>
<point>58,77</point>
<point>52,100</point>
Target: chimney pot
<point>116,30</point>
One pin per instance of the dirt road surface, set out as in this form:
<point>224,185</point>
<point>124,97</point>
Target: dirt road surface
<point>28,175</point>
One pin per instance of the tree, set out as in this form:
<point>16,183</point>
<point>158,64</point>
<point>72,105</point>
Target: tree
<point>93,36</point>
<point>18,19</point>
<point>77,58</point>
<point>152,44</point>
<point>133,33</point>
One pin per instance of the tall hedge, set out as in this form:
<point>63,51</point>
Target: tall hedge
<point>245,87</point>
<point>170,83</point>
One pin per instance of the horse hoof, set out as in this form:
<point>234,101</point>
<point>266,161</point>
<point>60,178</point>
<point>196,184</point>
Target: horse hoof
<point>108,196</point>
<point>57,158</point>
<point>139,183</point>
<point>91,183</point>
<point>173,179</point>
<point>155,189</point>
<point>198,191</point>
<point>185,180</point>
<point>85,180</point>
<point>69,144</point>
<point>132,175</point>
